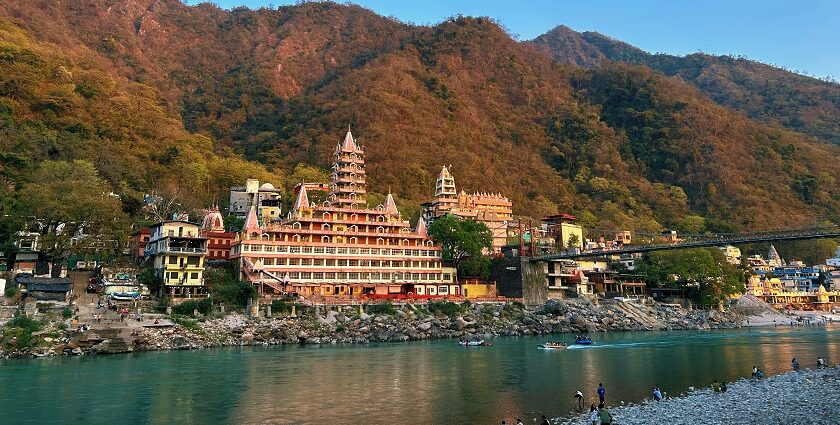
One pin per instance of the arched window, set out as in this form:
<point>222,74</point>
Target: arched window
<point>296,238</point>
<point>354,217</point>
<point>380,229</point>
<point>327,216</point>
<point>353,240</point>
<point>380,241</point>
<point>380,218</point>
<point>265,237</point>
<point>404,242</point>
<point>353,228</point>
<point>325,226</point>
<point>296,225</point>
<point>254,235</point>
<point>325,239</point>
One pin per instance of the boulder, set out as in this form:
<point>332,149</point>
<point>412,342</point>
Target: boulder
<point>458,324</point>
<point>424,326</point>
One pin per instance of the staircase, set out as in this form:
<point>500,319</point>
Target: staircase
<point>114,340</point>
<point>642,315</point>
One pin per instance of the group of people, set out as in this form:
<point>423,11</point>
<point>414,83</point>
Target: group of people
<point>597,415</point>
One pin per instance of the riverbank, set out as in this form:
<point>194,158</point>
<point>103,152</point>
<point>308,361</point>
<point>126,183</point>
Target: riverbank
<point>350,325</point>
<point>806,397</point>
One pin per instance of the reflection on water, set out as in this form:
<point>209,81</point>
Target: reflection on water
<point>421,383</point>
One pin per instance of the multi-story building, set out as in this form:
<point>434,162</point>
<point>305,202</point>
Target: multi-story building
<point>565,230</point>
<point>137,245</point>
<point>265,198</point>
<point>342,247</point>
<point>218,240</point>
<point>494,210</point>
<point>177,250</point>
<point>732,254</point>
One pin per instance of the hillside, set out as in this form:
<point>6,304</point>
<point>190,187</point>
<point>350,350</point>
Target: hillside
<point>619,145</point>
<point>760,91</point>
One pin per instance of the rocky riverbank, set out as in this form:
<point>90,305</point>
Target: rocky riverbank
<point>806,397</point>
<point>345,325</point>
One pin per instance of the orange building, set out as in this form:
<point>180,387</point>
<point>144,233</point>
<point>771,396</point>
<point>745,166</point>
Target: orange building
<point>342,248</point>
<point>492,209</point>
<point>137,244</point>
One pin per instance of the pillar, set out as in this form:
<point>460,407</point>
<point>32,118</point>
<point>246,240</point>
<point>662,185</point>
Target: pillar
<point>293,311</point>
<point>268,310</point>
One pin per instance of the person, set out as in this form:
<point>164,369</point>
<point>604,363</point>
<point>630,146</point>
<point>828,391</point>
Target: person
<point>820,362</point>
<point>795,364</point>
<point>716,386</point>
<point>504,422</point>
<point>545,421</point>
<point>601,393</point>
<point>519,421</point>
<point>604,414</point>
<point>657,395</point>
<point>723,387</point>
<point>579,399</point>
<point>759,374</point>
<point>593,415</point>
<point>755,371</point>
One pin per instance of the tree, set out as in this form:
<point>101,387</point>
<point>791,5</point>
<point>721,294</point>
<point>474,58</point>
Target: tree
<point>73,210</point>
<point>149,279</point>
<point>461,239</point>
<point>574,241</point>
<point>705,268</point>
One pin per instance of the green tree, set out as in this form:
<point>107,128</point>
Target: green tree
<point>149,279</point>
<point>69,199</point>
<point>705,268</point>
<point>461,239</point>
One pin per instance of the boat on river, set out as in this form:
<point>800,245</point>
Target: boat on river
<point>583,340</point>
<point>553,346</point>
<point>474,343</point>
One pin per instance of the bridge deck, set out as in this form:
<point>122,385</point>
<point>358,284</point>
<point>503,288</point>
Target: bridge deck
<point>832,232</point>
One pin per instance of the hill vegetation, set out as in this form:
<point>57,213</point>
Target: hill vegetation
<point>764,92</point>
<point>167,98</point>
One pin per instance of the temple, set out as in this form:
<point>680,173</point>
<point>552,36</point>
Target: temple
<point>343,247</point>
<point>492,209</point>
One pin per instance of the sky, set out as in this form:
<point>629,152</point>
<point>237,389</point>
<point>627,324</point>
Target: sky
<point>802,36</point>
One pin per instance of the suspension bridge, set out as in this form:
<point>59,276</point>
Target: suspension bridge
<point>702,242</point>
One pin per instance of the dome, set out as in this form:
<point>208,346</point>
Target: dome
<point>267,186</point>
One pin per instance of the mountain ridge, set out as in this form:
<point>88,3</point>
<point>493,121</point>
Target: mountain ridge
<point>620,145</point>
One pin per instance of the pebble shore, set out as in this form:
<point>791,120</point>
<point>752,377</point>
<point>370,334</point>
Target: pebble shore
<point>805,397</point>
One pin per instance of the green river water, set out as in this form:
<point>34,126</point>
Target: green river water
<point>433,382</point>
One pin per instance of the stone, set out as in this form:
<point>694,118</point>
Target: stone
<point>458,324</point>
<point>424,326</point>
<point>247,338</point>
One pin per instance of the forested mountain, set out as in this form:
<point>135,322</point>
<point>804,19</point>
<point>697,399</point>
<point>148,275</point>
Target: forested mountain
<point>773,95</point>
<point>623,146</point>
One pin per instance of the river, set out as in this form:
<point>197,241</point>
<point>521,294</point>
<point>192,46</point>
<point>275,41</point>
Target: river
<point>433,382</point>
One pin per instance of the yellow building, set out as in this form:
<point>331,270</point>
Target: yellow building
<point>565,230</point>
<point>177,252</point>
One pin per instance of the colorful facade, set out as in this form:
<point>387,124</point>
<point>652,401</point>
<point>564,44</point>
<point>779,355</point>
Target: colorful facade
<point>494,210</point>
<point>341,248</point>
<point>265,198</point>
<point>177,252</point>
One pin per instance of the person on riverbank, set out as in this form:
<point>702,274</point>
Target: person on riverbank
<point>716,386</point>
<point>759,374</point>
<point>593,415</point>
<point>723,387</point>
<point>754,371</point>
<point>579,400</point>
<point>604,414</point>
<point>657,394</point>
<point>820,362</point>
<point>545,421</point>
<point>795,364</point>
<point>602,393</point>
<point>519,422</point>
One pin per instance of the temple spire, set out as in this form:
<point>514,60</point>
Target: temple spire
<point>421,228</point>
<point>302,200</point>
<point>251,221</point>
<point>390,205</point>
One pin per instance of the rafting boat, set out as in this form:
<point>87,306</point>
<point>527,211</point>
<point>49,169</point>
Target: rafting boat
<point>476,343</point>
<point>583,341</point>
<point>552,346</point>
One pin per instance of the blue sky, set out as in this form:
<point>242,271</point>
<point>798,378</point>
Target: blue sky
<point>799,35</point>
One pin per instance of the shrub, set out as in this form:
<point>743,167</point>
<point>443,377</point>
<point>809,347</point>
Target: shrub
<point>232,293</point>
<point>11,290</point>
<point>381,308</point>
<point>445,308</point>
<point>186,308</point>
<point>21,329</point>
<point>67,312</point>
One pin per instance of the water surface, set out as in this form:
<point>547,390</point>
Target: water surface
<point>432,382</point>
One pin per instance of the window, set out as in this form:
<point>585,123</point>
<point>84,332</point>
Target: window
<point>173,259</point>
<point>193,261</point>
<point>194,276</point>
<point>173,275</point>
